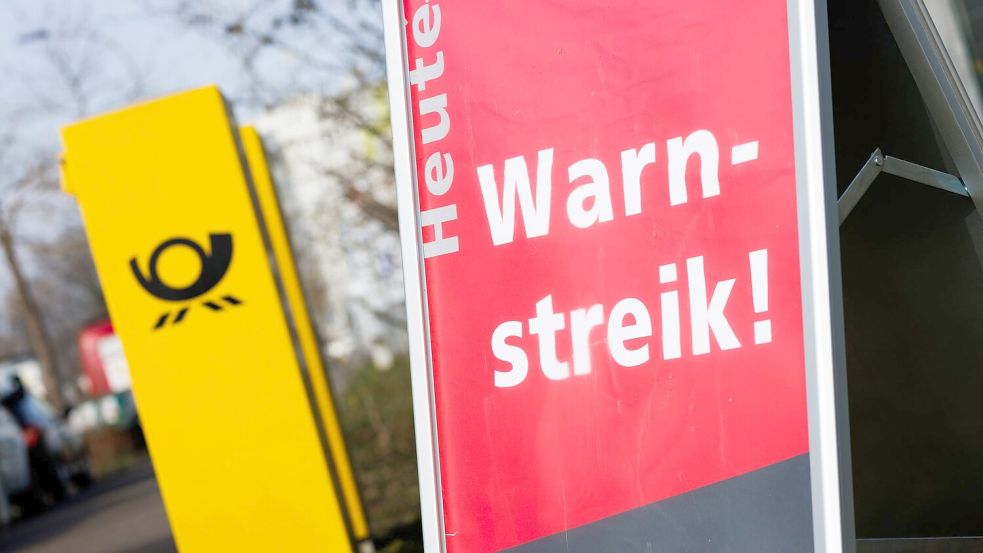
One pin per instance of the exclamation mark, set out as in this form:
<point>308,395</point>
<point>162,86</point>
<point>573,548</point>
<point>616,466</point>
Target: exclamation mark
<point>759,294</point>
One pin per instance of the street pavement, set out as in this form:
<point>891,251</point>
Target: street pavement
<point>120,514</point>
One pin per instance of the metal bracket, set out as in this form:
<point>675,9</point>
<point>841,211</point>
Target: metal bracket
<point>879,163</point>
<point>941,88</point>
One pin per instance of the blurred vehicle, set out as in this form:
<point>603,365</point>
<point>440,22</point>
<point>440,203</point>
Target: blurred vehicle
<point>15,466</point>
<point>56,452</point>
<point>28,370</point>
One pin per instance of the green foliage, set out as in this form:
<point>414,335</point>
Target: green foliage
<point>377,414</point>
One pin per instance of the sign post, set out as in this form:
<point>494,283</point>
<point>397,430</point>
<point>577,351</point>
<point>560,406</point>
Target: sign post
<point>221,375</point>
<point>622,281</point>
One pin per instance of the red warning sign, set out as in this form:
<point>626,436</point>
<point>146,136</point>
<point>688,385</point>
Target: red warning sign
<point>607,196</point>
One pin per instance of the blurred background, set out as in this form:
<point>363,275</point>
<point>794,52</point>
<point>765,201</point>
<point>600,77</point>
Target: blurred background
<point>310,76</point>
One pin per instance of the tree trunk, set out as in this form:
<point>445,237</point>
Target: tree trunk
<point>36,331</point>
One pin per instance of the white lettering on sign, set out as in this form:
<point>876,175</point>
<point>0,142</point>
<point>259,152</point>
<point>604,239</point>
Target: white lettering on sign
<point>435,126</point>
<point>707,314</point>
<point>589,201</point>
<point>620,332</point>
<point>519,200</point>
<point>672,344</point>
<point>535,209</point>
<point>628,330</point>
<point>703,145</point>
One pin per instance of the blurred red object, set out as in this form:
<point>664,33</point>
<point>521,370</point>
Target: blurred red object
<point>32,435</point>
<point>92,358</point>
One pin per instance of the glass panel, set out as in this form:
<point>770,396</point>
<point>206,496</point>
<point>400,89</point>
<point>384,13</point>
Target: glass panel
<point>960,24</point>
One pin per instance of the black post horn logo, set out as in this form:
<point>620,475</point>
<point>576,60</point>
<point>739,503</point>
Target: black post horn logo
<point>214,265</point>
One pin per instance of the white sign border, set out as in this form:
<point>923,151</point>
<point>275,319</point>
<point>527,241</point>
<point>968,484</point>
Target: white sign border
<point>414,282</point>
<point>822,293</point>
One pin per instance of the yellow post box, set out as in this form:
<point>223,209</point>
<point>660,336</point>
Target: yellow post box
<point>277,231</point>
<point>229,401</point>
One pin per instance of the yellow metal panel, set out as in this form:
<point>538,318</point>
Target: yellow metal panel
<point>266,192</point>
<point>220,391</point>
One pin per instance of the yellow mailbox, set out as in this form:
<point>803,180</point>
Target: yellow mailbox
<point>276,229</point>
<point>235,408</point>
